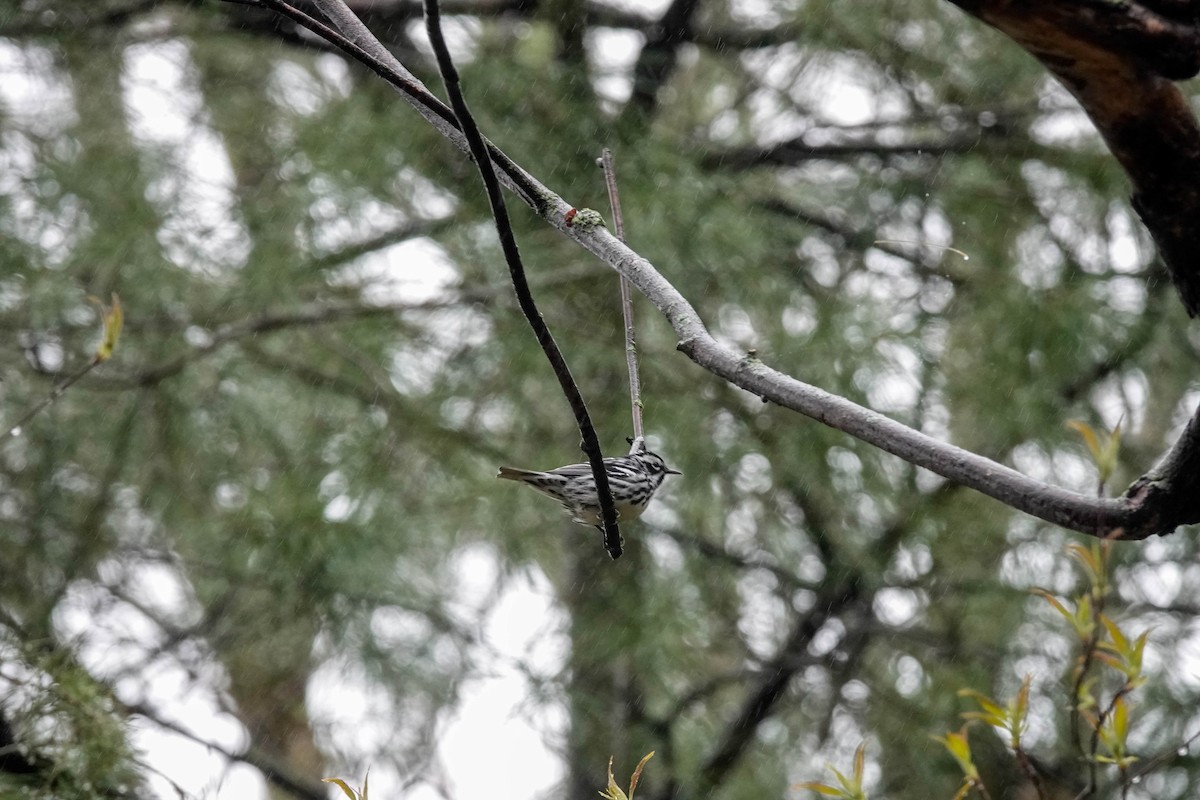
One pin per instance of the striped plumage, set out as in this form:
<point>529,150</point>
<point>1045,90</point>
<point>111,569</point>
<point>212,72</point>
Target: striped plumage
<point>633,480</point>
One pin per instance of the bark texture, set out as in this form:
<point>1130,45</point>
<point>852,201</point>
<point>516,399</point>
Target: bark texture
<point>1120,60</point>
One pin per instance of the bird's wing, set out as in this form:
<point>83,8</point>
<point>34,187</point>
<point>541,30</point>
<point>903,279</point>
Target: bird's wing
<point>573,470</point>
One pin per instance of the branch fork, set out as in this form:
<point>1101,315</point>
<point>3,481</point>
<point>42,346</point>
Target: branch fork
<point>1166,497</point>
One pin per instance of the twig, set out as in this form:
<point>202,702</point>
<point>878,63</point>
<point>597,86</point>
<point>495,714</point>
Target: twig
<point>1086,661</point>
<point>1026,765</point>
<point>1093,783</point>
<point>112,319</point>
<point>1098,594</point>
<point>508,241</point>
<point>631,358</point>
<point>1168,754</point>
<point>55,393</point>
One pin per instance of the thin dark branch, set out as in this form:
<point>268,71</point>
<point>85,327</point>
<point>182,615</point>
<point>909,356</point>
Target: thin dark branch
<point>1029,769</point>
<point>269,322</point>
<point>631,358</point>
<point>862,240</point>
<point>412,229</point>
<point>377,393</point>
<point>49,399</point>
<point>308,316</point>
<point>1164,757</point>
<point>798,151</point>
<point>1137,339</point>
<point>1093,761</point>
<point>706,689</point>
<point>508,242</point>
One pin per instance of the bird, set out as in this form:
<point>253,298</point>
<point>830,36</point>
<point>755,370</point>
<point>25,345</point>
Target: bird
<point>633,480</point>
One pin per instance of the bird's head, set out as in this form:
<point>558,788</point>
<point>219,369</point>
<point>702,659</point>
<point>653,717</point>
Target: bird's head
<point>653,464</point>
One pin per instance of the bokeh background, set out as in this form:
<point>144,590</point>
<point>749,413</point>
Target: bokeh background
<point>264,544</point>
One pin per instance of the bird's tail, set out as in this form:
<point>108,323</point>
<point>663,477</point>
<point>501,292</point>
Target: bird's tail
<point>510,474</point>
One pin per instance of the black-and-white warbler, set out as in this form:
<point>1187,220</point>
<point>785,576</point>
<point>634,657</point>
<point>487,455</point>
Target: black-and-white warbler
<point>633,480</point>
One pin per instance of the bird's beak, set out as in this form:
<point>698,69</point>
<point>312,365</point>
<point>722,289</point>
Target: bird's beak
<point>673,471</point>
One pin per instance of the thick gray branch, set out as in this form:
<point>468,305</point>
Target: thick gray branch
<point>1128,517</point>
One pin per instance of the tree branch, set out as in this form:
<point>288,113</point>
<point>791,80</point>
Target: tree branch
<point>864,240</point>
<point>268,322</point>
<point>308,316</point>
<point>760,702</point>
<point>56,392</point>
<point>412,229</point>
<point>1157,507</point>
<point>631,360</point>
<point>1119,60</point>
<point>799,151</point>
<point>1156,504</point>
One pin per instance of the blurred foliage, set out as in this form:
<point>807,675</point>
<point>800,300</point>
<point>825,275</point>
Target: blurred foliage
<point>282,479</point>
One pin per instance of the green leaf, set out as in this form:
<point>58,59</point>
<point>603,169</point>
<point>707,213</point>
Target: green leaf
<point>850,788</point>
<point>1120,644</point>
<point>613,792</point>
<point>960,748</point>
<point>114,320</point>
<point>1085,698</point>
<point>1120,720</point>
<point>1104,450</point>
<point>1020,711</point>
<point>341,784</point>
<point>991,709</point>
<point>1055,603</point>
<point>637,773</point>
<point>1087,559</point>
<point>1089,437</point>
<point>1107,461</point>
<point>820,788</point>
